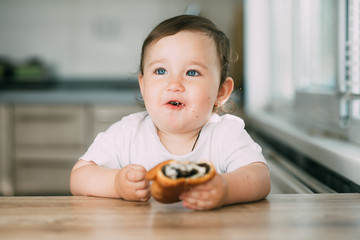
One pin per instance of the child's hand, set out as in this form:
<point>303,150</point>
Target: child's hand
<point>205,196</point>
<point>131,184</point>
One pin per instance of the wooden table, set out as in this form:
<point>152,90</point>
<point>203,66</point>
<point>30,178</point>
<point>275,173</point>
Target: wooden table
<point>325,216</point>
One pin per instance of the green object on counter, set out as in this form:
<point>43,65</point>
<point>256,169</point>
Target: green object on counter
<point>29,73</point>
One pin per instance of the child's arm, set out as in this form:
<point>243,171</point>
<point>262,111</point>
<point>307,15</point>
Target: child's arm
<point>246,184</point>
<point>89,179</point>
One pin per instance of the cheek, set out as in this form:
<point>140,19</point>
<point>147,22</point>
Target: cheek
<point>149,91</point>
<point>206,103</point>
<point>211,98</point>
<point>150,99</point>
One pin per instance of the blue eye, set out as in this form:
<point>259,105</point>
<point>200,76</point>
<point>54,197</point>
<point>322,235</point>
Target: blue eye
<point>192,73</point>
<point>160,71</point>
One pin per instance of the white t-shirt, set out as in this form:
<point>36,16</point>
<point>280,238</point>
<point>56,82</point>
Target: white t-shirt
<point>134,140</point>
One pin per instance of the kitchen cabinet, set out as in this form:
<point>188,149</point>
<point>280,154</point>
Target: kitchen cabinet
<point>49,131</point>
<point>40,143</point>
<point>44,131</point>
<point>47,140</point>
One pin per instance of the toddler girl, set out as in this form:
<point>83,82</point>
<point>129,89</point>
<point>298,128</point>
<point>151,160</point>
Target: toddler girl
<point>184,77</point>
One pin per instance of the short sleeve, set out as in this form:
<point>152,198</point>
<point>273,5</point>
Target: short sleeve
<point>103,150</point>
<point>237,148</point>
<point>112,148</point>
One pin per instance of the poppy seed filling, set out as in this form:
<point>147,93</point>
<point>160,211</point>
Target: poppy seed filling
<point>177,170</point>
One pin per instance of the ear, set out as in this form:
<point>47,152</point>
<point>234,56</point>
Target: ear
<point>225,90</point>
<point>141,83</point>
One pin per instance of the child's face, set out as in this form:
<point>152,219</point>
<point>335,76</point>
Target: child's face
<point>180,81</point>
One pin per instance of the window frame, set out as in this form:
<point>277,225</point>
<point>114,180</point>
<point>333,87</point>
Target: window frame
<point>354,100</point>
<point>323,117</point>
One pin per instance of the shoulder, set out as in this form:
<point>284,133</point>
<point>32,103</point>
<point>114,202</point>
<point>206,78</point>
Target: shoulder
<point>133,119</point>
<point>227,129</point>
<point>226,122</point>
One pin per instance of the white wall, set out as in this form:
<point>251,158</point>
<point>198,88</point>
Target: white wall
<point>91,38</point>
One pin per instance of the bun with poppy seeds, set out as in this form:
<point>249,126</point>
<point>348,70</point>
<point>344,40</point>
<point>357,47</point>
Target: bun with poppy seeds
<point>171,178</point>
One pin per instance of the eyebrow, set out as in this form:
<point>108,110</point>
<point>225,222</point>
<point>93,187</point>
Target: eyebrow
<point>198,64</point>
<point>156,61</point>
<point>191,63</point>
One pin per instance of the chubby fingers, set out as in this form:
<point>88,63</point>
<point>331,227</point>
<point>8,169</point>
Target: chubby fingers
<point>143,194</point>
<point>198,200</point>
<point>209,195</point>
<point>198,193</point>
<point>136,176</point>
<point>136,173</point>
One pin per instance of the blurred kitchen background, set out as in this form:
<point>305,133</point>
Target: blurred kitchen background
<point>68,70</point>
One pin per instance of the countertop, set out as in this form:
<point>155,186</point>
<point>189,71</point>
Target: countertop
<point>280,216</point>
<point>74,92</point>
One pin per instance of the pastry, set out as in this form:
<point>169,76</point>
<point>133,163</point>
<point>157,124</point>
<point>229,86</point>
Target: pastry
<point>171,178</point>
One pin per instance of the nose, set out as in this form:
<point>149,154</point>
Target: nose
<point>175,84</point>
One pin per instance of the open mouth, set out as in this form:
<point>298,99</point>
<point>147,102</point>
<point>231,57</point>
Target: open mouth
<point>176,103</point>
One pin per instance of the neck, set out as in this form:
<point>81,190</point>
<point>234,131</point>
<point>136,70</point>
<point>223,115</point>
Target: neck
<point>179,144</point>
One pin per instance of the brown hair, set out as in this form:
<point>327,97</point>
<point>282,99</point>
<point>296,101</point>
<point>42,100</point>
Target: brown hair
<point>176,24</point>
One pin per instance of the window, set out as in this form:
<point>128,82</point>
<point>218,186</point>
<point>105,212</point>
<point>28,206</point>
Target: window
<point>303,86</point>
<point>310,54</point>
<point>316,43</point>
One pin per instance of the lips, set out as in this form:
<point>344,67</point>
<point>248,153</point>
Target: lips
<point>175,104</point>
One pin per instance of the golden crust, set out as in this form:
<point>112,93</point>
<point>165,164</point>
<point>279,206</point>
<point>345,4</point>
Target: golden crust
<point>167,190</point>
<point>151,174</point>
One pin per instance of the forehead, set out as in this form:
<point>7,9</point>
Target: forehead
<point>185,33</point>
<point>184,43</point>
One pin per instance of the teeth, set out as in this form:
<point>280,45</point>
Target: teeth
<point>175,103</point>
